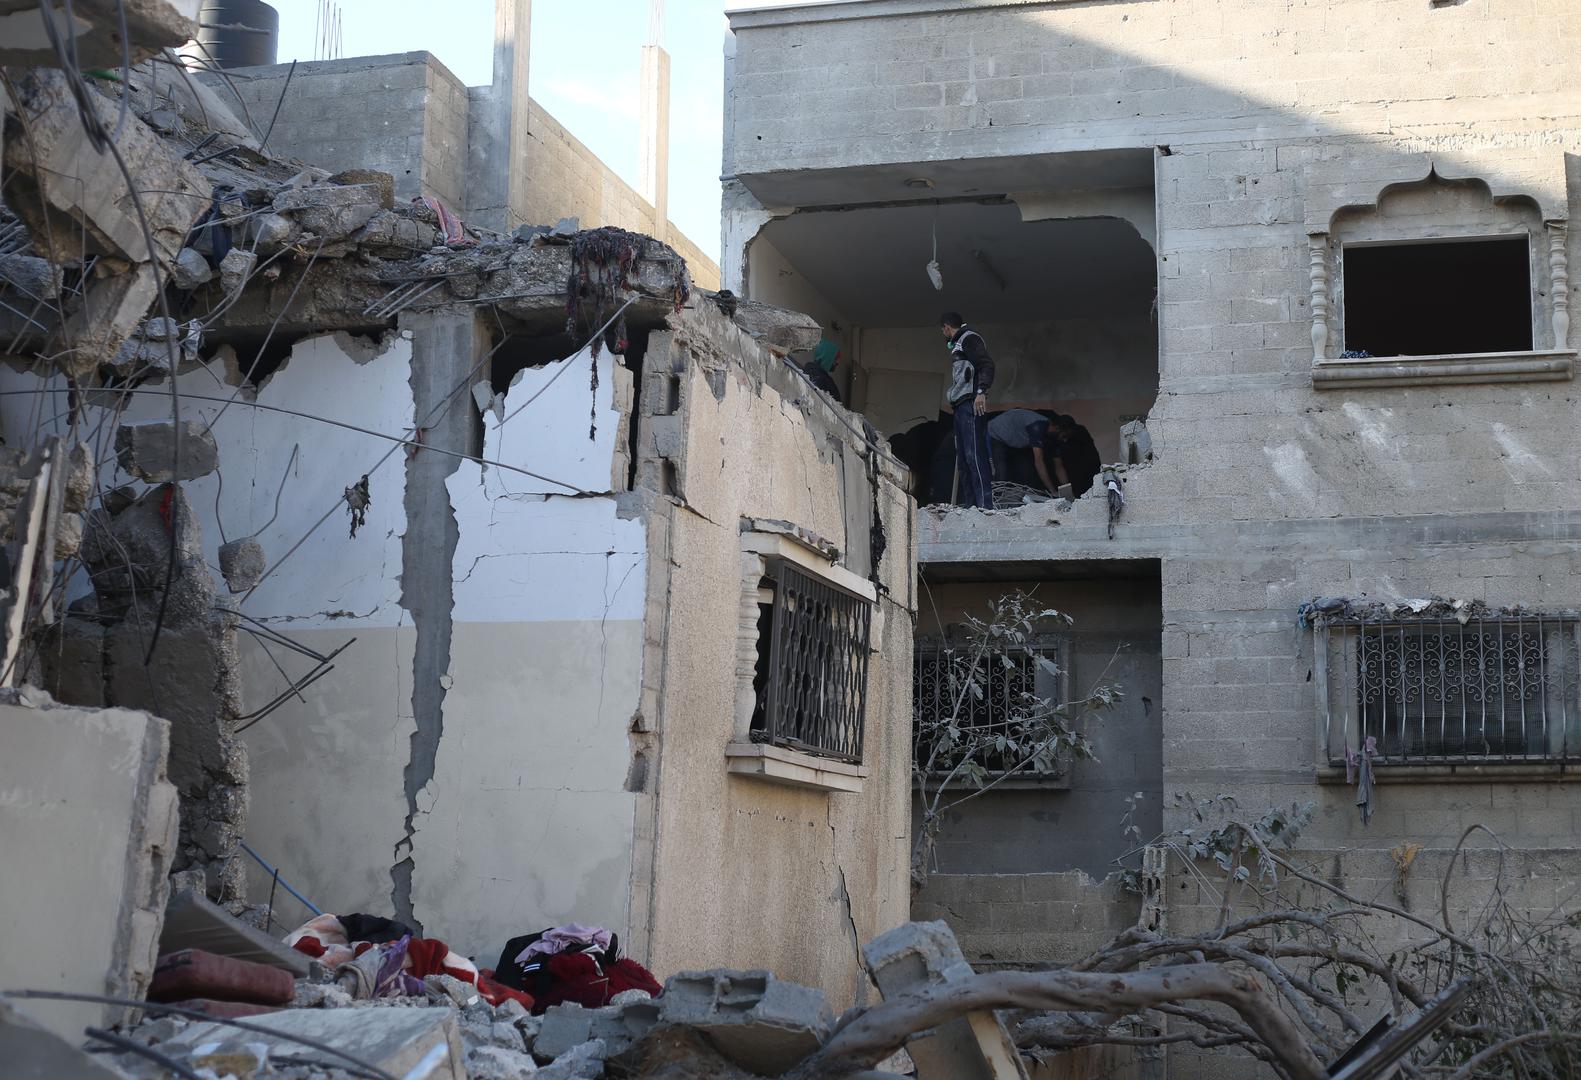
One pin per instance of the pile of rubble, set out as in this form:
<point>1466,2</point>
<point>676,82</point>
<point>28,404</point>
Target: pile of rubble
<point>733,1024</point>
<point>254,1008</point>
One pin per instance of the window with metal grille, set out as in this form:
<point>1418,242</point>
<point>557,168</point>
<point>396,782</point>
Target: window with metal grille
<point>1009,680</point>
<point>1436,690</point>
<point>812,666</point>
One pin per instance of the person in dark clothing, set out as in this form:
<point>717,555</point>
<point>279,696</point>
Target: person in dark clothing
<point>1075,455</point>
<point>1013,436</point>
<point>971,376</point>
<point>820,369</point>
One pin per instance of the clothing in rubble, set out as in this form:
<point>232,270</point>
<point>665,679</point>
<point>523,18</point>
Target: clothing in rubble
<point>580,964</point>
<point>971,375</point>
<point>392,966</point>
<point>1074,448</point>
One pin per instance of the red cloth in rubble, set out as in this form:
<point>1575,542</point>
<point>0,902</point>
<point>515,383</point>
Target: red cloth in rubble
<point>496,993</point>
<point>578,978</point>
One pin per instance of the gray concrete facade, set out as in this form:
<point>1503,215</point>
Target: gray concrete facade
<point>1276,137</point>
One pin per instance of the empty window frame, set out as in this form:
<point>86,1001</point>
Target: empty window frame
<point>1439,691</point>
<point>1438,297</point>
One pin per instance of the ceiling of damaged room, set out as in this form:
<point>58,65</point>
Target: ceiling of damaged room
<point>871,263</point>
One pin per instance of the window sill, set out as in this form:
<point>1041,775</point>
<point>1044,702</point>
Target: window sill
<point>1469,773</point>
<point>792,768</point>
<point>1549,365</point>
<point>1016,782</point>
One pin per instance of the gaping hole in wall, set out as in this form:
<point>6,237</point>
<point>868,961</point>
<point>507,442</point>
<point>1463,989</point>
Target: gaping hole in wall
<point>1031,820</point>
<point>257,360</point>
<point>1066,304</point>
<point>521,347</point>
<point>1435,297</point>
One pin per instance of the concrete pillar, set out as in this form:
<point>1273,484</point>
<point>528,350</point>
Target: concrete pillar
<point>653,161</point>
<point>497,186</point>
<point>446,346</point>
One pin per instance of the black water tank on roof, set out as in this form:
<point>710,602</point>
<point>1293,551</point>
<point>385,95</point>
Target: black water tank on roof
<point>255,46</point>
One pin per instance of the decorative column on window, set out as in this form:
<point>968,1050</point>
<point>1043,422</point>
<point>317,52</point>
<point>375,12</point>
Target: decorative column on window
<point>1559,282</point>
<point>752,594</point>
<point>1318,243</point>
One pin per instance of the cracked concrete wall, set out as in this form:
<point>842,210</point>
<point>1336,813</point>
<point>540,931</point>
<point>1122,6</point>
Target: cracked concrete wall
<point>527,821</point>
<point>338,756</point>
<point>746,872</point>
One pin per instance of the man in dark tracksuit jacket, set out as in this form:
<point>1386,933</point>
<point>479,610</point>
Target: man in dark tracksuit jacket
<point>971,374</point>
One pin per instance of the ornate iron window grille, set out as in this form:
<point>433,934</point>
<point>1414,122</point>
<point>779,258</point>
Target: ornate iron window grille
<point>813,695</point>
<point>1499,689</point>
<point>935,689</point>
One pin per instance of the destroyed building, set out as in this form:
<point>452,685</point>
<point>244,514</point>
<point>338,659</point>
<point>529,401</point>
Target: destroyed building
<point>1304,271</point>
<point>491,579</point>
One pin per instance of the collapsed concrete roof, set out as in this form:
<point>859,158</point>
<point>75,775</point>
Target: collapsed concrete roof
<point>246,245</point>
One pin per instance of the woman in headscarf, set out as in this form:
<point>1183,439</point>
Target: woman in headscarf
<point>820,369</point>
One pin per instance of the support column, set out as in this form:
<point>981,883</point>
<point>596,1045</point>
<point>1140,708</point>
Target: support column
<point>497,188</point>
<point>445,348</point>
<point>653,162</point>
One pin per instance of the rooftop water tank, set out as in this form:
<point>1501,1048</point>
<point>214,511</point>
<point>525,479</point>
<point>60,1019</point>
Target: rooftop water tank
<point>236,33</point>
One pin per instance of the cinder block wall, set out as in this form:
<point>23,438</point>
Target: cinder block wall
<point>406,114</point>
<point>1027,920</point>
<point>1265,491</point>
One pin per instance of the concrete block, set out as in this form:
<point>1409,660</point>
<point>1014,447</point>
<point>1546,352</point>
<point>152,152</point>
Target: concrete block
<point>148,451</point>
<point>35,278</point>
<point>190,270</point>
<point>395,1040</point>
<point>585,1062</point>
<point>242,562</point>
<point>330,211</point>
<point>90,783</point>
<point>618,1026</point>
<point>236,268</point>
<point>788,331</point>
<point>758,1021</point>
<point>498,1063</point>
<point>919,955</point>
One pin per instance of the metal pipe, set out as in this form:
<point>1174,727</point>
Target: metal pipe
<point>284,883</point>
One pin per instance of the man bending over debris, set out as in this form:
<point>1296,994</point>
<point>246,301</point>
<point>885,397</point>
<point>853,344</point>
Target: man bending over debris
<point>1020,430</point>
<point>971,374</point>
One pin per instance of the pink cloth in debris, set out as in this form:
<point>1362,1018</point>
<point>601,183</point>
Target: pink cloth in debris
<point>455,232</point>
<point>555,941</point>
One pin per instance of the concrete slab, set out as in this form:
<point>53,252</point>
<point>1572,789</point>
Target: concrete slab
<point>392,1039</point>
<point>192,922</point>
<point>84,802</point>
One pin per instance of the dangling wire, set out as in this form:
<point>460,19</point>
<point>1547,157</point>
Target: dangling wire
<point>935,275</point>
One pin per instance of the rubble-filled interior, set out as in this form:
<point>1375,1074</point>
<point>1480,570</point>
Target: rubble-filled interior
<point>1062,286</point>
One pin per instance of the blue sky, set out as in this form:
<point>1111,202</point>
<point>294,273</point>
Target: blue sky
<point>585,56</point>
